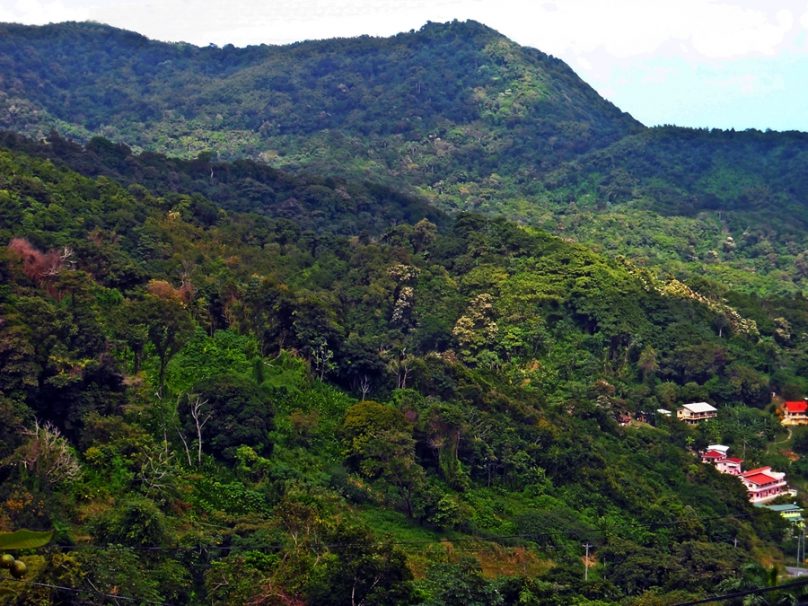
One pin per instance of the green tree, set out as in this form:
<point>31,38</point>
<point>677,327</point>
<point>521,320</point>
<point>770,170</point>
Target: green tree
<point>380,445</point>
<point>460,584</point>
<point>225,412</point>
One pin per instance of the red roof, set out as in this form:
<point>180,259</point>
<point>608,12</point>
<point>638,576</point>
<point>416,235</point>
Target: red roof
<point>756,470</point>
<point>733,460</point>
<point>760,479</point>
<point>797,407</point>
<point>713,454</point>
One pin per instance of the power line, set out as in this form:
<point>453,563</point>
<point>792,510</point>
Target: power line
<point>92,589</point>
<point>530,536</point>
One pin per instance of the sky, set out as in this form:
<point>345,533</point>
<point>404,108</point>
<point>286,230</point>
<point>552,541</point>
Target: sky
<point>702,63</point>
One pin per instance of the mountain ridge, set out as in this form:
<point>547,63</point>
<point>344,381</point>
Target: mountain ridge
<point>470,46</point>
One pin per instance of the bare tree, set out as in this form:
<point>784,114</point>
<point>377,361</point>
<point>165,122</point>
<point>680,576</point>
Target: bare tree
<point>185,445</point>
<point>322,356</point>
<point>400,364</point>
<point>364,386</point>
<point>200,417</point>
<point>47,455</point>
<point>403,367</point>
<point>157,472</point>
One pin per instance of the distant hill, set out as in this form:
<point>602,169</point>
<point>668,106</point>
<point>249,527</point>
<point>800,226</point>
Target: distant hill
<point>461,82</point>
<point>454,114</point>
<point>327,204</point>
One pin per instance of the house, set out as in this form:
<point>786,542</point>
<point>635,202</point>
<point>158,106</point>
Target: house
<point>763,484</point>
<point>717,455</point>
<point>695,413</point>
<point>790,511</point>
<point>643,417</point>
<point>730,465</point>
<point>664,412</point>
<point>712,456</point>
<point>795,413</point>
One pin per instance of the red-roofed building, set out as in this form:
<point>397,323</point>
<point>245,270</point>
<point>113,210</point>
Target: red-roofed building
<point>757,470</point>
<point>712,456</point>
<point>795,413</point>
<point>763,484</point>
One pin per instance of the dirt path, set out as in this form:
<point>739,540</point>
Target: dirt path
<point>784,440</point>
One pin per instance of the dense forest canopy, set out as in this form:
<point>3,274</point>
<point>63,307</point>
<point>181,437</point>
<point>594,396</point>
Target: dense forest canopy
<point>456,113</point>
<point>298,361</point>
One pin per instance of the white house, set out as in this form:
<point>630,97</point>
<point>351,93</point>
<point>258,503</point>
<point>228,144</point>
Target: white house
<point>795,413</point>
<point>763,484</point>
<point>730,465</point>
<point>695,413</point>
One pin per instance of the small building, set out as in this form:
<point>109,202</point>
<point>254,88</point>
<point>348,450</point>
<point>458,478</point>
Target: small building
<point>790,511</point>
<point>763,484</point>
<point>664,412</point>
<point>643,417</point>
<point>716,454</point>
<point>712,456</point>
<point>795,413</point>
<point>695,413</point>
<point>730,465</point>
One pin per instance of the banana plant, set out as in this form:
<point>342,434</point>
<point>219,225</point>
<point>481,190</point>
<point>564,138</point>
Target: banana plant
<point>17,540</point>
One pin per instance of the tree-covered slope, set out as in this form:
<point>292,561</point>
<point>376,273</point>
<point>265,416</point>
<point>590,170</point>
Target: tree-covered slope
<point>455,112</point>
<point>723,205</point>
<point>324,204</point>
<point>233,409</point>
<point>490,96</point>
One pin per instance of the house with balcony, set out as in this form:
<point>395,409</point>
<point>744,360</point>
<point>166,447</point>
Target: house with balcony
<point>716,454</point>
<point>795,413</point>
<point>712,456</point>
<point>730,465</point>
<point>763,484</point>
<point>695,413</point>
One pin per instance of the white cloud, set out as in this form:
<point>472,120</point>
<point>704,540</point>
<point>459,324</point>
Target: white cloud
<point>711,28</point>
<point>40,12</point>
<point>715,29</point>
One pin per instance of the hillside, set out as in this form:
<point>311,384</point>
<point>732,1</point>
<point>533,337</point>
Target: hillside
<point>730,206</point>
<point>461,79</point>
<point>381,322</point>
<point>322,204</point>
<point>444,399</point>
<point>455,114</point>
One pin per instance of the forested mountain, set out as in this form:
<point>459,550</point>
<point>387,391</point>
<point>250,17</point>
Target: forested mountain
<point>455,112</point>
<point>284,365</point>
<point>259,101</point>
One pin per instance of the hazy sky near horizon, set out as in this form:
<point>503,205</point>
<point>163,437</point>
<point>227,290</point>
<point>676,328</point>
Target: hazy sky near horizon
<point>703,63</point>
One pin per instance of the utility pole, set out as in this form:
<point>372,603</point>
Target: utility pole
<point>586,561</point>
